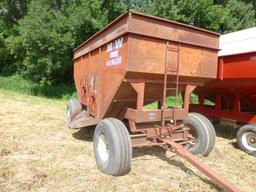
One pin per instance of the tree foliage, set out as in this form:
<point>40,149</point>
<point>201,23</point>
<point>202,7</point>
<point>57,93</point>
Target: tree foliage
<point>220,15</point>
<point>37,36</point>
<point>11,11</point>
<point>45,41</point>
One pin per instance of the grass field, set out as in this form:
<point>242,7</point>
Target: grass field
<point>39,153</point>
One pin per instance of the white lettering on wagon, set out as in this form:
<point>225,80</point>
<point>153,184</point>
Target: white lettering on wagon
<point>114,61</point>
<point>112,49</point>
<point>113,54</point>
<point>117,44</point>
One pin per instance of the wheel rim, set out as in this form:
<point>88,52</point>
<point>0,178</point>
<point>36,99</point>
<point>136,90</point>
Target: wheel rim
<point>249,141</point>
<point>194,140</point>
<point>103,148</point>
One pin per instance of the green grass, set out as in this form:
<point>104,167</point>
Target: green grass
<point>170,102</point>
<point>18,84</point>
<point>65,92</point>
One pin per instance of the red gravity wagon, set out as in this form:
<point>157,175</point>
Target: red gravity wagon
<point>134,61</point>
<point>233,93</point>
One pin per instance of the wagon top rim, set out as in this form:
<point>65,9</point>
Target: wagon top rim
<point>148,16</point>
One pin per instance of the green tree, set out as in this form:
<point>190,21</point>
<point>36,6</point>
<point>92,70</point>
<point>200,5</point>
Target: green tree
<point>217,15</point>
<point>253,2</point>
<point>51,29</point>
<point>200,13</point>
<point>11,11</point>
<point>167,9</point>
<point>37,36</point>
<point>113,8</point>
<point>241,15</point>
<point>47,35</point>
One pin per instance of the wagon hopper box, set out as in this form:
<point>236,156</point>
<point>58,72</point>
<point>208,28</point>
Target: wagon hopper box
<point>136,60</point>
<point>233,92</point>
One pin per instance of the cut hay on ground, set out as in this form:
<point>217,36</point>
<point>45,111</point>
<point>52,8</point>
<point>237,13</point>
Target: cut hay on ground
<point>39,153</point>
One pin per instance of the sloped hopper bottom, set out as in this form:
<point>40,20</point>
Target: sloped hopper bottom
<point>78,117</point>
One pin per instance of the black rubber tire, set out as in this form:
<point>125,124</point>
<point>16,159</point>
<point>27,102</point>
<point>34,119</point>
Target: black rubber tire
<point>205,132</point>
<point>211,131</point>
<point>245,129</point>
<point>118,162</point>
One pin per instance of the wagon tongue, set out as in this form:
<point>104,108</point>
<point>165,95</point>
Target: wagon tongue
<point>216,178</point>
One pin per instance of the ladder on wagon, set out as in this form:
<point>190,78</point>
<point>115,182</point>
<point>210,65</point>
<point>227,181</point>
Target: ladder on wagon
<point>171,69</point>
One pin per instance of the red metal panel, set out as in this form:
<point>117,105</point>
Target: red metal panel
<point>173,31</point>
<point>236,79</point>
<point>112,76</point>
<point>148,56</point>
<point>151,26</point>
<point>231,115</point>
<point>239,66</point>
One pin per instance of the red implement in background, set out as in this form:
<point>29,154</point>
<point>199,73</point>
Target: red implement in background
<point>232,95</point>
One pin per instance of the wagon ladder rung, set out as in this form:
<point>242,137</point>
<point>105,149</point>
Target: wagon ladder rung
<point>174,72</point>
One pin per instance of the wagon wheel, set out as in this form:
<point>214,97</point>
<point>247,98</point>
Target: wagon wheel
<point>246,138</point>
<point>203,134</point>
<point>112,147</point>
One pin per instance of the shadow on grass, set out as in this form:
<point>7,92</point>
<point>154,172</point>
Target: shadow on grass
<point>161,154</point>
<point>226,129</point>
<point>85,133</point>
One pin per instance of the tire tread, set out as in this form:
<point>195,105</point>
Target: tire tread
<point>120,161</point>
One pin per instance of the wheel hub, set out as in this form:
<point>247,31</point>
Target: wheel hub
<point>252,139</point>
<point>249,140</point>
<point>103,148</point>
<point>194,134</point>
